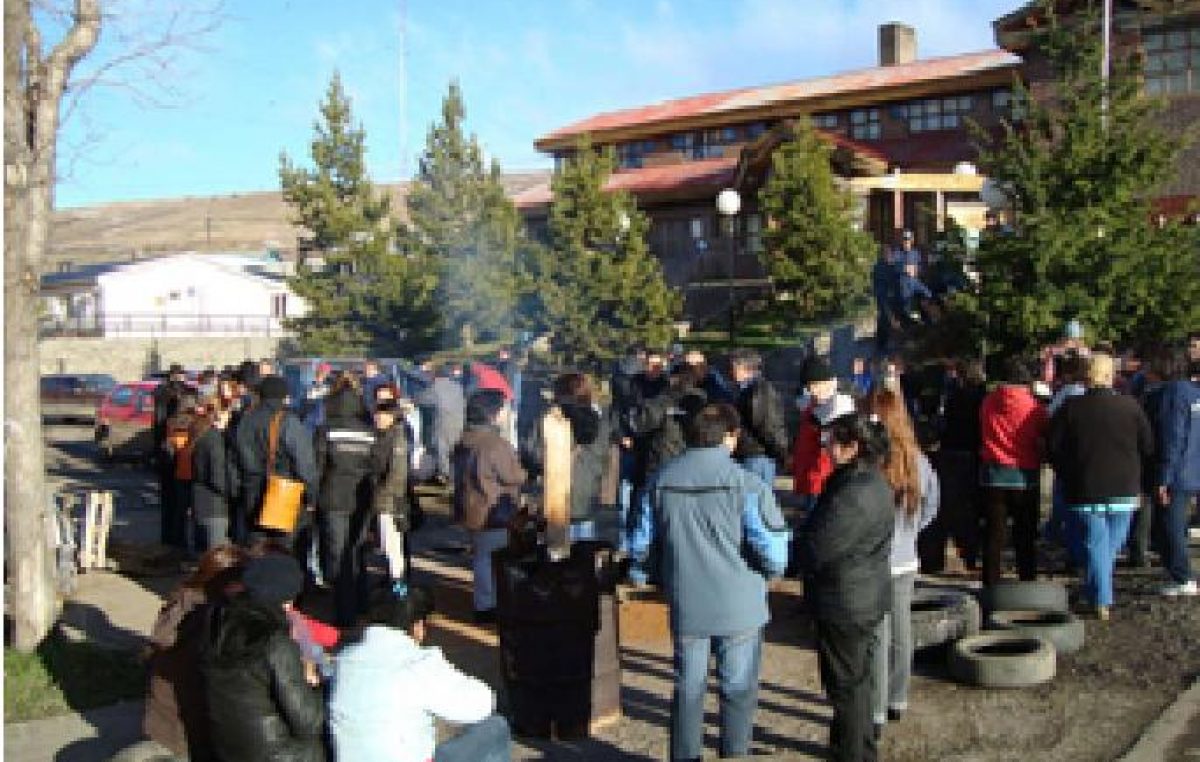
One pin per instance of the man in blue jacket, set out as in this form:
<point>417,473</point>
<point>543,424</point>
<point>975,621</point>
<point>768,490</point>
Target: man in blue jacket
<point>717,536</point>
<point>1179,474</point>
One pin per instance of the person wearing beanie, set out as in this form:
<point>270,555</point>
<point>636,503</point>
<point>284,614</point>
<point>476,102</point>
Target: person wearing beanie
<point>487,491</point>
<point>294,457</point>
<point>811,465</point>
<point>262,704</point>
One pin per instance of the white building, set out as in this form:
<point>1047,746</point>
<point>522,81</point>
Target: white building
<point>190,294</point>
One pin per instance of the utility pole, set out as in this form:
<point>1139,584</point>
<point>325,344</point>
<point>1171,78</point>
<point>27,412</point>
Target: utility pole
<point>1106,63</point>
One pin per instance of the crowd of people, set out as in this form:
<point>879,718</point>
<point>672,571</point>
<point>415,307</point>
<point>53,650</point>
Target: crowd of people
<point>894,472</point>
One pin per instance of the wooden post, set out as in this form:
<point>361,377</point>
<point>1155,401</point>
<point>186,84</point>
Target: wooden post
<point>556,489</point>
<point>104,526</point>
<point>91,504</point>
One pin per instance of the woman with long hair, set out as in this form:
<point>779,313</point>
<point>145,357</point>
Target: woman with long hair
<point>845,549</point>
<point>176,713</point>
<point>916,492</point>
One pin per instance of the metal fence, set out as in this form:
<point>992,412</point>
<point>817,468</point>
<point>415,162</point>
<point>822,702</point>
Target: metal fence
<point>111,325</point>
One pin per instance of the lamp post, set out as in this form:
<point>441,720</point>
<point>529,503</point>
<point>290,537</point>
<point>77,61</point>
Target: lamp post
<point>729,203</point>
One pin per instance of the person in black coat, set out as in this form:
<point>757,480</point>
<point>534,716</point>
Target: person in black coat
<point>763,441</point>
<point>344,452</point>
<point>845,548</point>
<point>293,459</point>
<point>262,705</point>
<point>214,476</point>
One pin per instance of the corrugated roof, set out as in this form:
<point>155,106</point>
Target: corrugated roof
<point>878,77</point>
<point>668,177</point>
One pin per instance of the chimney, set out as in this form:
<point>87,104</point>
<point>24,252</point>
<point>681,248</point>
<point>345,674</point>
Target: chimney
<point>897,44</point>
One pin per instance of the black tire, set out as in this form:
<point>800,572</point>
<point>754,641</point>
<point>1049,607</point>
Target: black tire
<point>1002,660</point>
<point>1063,629</point>
<point>942,616</point>
<point>1025,596</point>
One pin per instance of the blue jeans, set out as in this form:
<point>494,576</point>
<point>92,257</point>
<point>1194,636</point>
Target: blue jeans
<point>485,741</point>
<point>762,467</point>
<point>1103,536</point>
<point>1175,536</point>
<point>738,658</point>
<point>1063,526</point>
<point>484,543</point>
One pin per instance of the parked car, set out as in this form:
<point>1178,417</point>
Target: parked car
<point>124,420</point>
<point>74,397</point>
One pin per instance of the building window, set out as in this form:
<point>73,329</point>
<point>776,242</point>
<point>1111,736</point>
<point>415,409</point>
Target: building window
<point>1172,61</point>
<point>683,141</point>
<point>754,241</point>
<point>864,124</point>
<point>934,114</point>
<point>825,121</point>
<point>755,129</point>
<point>278,306</point>
<point>631,155</point>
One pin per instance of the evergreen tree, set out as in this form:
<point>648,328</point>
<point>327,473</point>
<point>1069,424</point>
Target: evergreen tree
<point>812,250</point>
<point>1080,170</point>
<point>461,217</point>
<point>597,289</point>
<point>365,299</point>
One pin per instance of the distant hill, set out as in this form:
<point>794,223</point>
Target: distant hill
<point>238,222</point>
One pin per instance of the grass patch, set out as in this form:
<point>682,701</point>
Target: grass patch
<point>64,676</point>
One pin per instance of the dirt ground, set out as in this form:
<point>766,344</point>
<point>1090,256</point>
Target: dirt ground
<point>1103,697</point>
<point>1101,700</point>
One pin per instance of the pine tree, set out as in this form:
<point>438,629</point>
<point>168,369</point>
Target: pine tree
<point>597,289</point>
<point>366,299</point>
<point>1080,170</point>
<point>461,217</point>
<point>812,250</point>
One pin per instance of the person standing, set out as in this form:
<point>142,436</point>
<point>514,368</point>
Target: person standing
<point>591,440</point>
<point>846,547</point>
<point>213,475</point>
<point>1179,475</point>
<point>917,496</point>
<point>763,439</point>
<point>293,459</point>
<point>957,464</point>
<point>168,404</point>
<point>1012,429</point>
<point>811,465</point>
<point>717,535</point>
<point>487,491</point>
<point>1099,442</point>
<point>391,499</point>
<point>445,397</point>
<point>344,448</point>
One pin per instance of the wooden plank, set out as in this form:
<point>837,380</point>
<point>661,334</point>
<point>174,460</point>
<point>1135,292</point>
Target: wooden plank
<point>558,448</point>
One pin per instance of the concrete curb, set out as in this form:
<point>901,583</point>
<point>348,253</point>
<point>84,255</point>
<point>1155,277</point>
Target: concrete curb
<point>1156,741</point>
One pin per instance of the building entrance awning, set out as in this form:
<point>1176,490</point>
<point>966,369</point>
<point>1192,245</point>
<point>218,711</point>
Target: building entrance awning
<point>917,182</point>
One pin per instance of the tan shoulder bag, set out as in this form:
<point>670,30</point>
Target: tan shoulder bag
<point>281,500</point>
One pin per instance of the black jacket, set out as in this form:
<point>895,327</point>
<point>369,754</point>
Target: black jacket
<point>213,476</point>
<point>845,547</point>
<point>960,420</point>
<point>261,707</point>
<point>293,456</point>
<point>1100,443</point>
<point>168,401</point>
<point>390,493</point>
<point>764,431</point>
<point>344,450</point>
<point>665,417</point>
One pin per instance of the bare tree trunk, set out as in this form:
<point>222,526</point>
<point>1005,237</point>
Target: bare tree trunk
<point>33,89</point>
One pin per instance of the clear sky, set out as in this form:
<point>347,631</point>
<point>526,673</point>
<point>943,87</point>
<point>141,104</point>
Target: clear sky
<point>252,87</point>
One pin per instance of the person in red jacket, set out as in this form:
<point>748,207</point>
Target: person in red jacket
<point>1013,425</point>
<point>811,465</point>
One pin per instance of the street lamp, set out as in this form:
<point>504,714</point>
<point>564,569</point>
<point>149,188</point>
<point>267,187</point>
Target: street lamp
<point>729,203</point>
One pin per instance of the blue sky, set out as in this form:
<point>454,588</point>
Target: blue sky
<point>251,88</point>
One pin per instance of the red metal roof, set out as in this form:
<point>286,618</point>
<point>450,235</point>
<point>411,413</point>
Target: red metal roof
<point>878,77</point>
<point>647,180</point>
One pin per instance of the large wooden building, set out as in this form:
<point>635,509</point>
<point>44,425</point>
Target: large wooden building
<point>900,132</point>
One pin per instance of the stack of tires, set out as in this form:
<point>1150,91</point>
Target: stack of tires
<point>943,616</point>
<point>1029,624</point>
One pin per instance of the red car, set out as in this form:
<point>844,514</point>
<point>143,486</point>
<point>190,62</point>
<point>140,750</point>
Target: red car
<point>124,420</point>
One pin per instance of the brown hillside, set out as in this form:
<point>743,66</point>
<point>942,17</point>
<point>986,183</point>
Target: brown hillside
<point>238,222</point>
